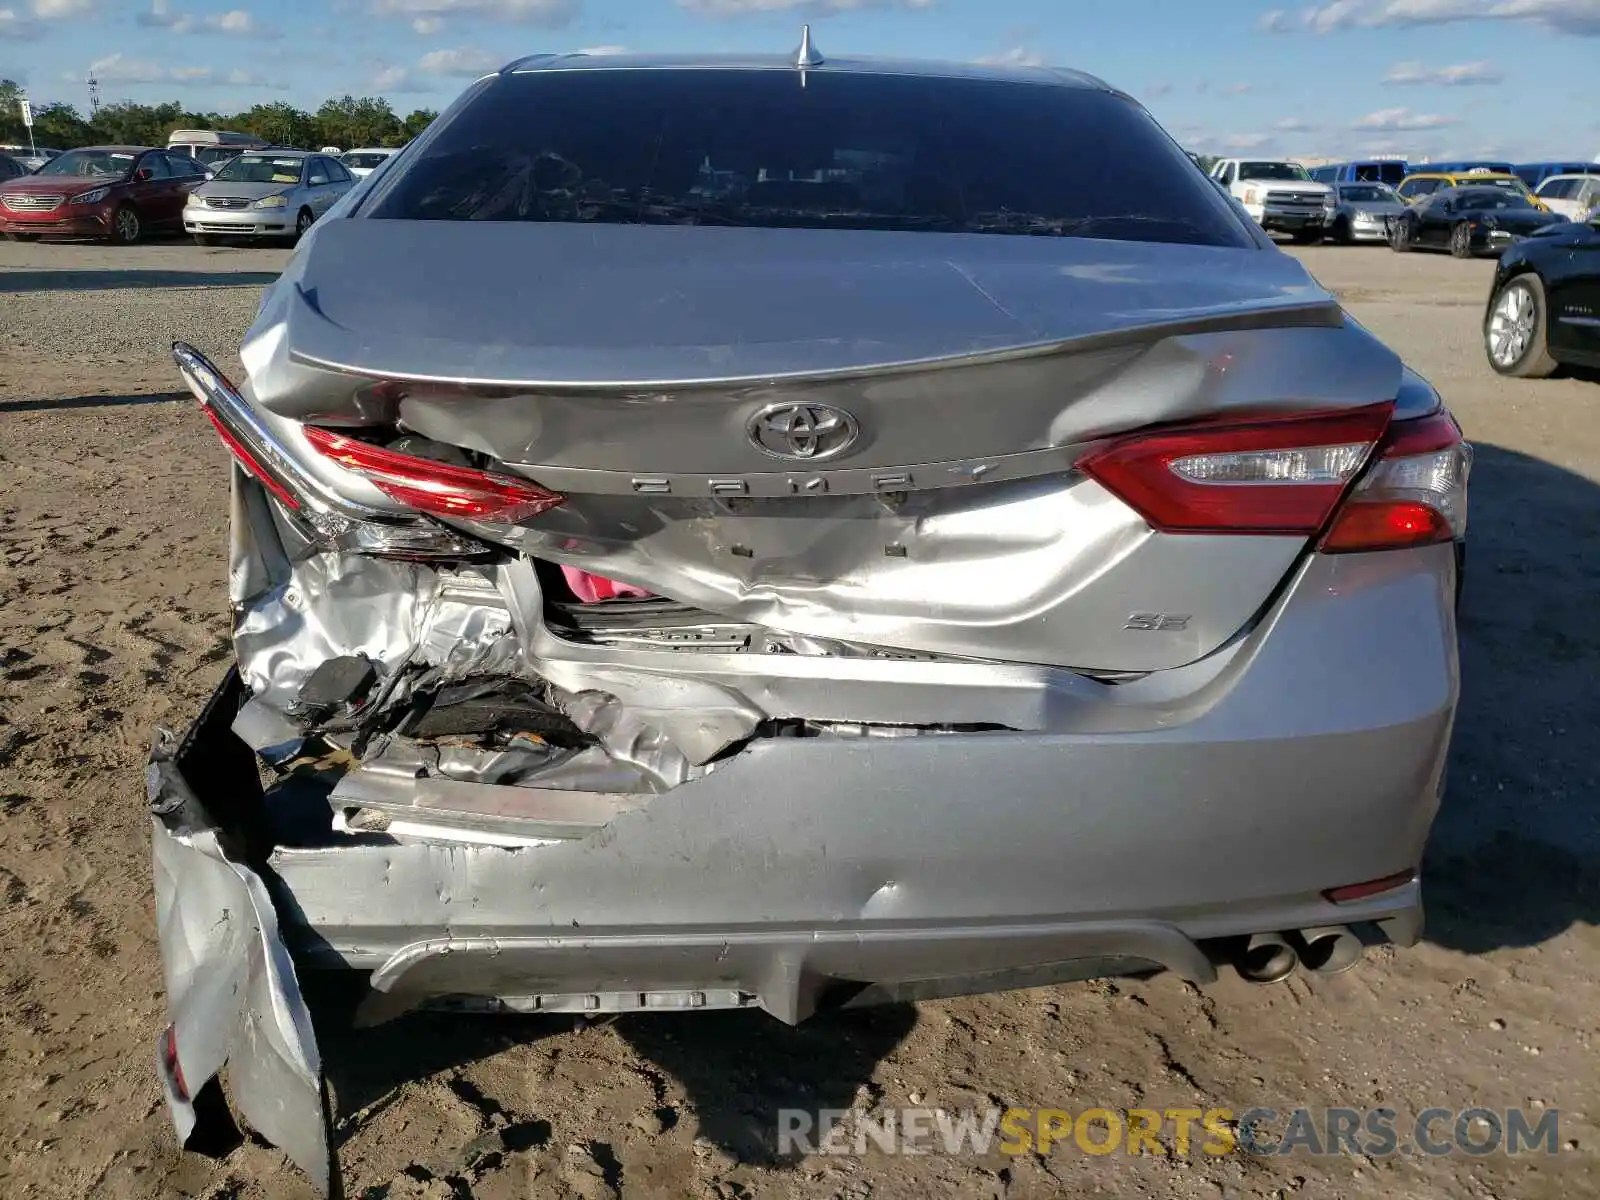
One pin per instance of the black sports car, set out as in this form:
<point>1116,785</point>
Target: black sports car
<point>1544,307</point>
<point>1468,221</point>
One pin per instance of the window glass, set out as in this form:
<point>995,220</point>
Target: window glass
<point>839,151</point>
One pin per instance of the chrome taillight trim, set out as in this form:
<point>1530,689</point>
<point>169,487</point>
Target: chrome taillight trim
<point>336,519</point>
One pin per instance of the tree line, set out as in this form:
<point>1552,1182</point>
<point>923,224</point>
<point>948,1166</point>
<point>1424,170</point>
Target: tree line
<point>343,121</point>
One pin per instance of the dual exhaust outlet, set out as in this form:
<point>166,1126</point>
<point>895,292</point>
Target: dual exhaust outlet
<point>1272,957</point>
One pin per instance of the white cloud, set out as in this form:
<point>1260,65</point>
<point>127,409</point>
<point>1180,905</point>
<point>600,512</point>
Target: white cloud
<point>462,61</point>
<point>1156,90</point>
<point>119,68</point>
<point>396,79</point>
<point>1577,17</point>
<point>1236,89</point>
<point>16,27</point>
<point>236,23</point>
<point>1017,56</point>
<point>546,14</point>
<point>1245,141</point>
<point>427,25</point>
<point>1398,120</point>
<point>1460,75</point>
<point>60,10</point>
<point>1275,20</point>
<point>1292,125</point>
<point>604,50</point>
<point>814,8</point>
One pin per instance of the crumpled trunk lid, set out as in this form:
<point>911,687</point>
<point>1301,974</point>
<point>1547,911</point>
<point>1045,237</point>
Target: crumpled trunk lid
<point>653,376</point>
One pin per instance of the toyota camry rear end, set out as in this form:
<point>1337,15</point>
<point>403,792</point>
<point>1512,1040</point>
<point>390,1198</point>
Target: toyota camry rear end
<point>792,533</point>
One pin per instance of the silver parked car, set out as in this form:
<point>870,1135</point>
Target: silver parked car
<point>1362,212</point>
<point>267,193</point>
<point>787,534</point>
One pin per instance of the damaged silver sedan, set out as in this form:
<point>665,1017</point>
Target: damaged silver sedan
<point>782,533</point>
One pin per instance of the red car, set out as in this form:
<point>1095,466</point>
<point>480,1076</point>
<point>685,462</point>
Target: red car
<point>119,193</point>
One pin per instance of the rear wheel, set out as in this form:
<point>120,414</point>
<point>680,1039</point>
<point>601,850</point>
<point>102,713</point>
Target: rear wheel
<point>1400,237</point>
<point>126,228</point>
<point>1514,333</point>
<point>1461,240</point>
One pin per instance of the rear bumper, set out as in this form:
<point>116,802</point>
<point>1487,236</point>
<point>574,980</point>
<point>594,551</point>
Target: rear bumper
<point>803,870</point>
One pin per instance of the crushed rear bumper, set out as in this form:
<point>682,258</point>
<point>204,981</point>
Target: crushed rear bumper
<point>804,873</point>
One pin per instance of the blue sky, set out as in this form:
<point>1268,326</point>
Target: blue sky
<point>1512,78</point>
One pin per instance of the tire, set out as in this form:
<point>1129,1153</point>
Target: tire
<point>303,221</point>
<point>126,227</point>
<point>1306,237</point>
<point>1517,325</point>
<point>1400,237</point>
<point>1461,240</point>
<point>1341,232</point>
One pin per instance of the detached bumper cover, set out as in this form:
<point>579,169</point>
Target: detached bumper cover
<point>232,995</point>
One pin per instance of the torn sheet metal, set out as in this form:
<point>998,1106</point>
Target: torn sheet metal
<point>232,994</point>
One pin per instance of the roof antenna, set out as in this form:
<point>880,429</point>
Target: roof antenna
<point>808,55</point>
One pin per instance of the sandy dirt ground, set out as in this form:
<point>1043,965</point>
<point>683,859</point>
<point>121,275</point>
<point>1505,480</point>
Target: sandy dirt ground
<point>112,620</point>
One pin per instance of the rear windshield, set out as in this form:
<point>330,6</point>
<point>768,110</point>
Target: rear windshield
<point>814,150</point>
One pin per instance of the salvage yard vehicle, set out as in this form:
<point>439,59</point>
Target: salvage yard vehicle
<point>1362,212</point>
<point>118,193</point>
<point>212,147</point>
<point>367,159</point>
<point>1573,196</point>
<point>782,532</point>
<point>269,193</point>
<point>1468,221</point>
<point>1544,304</point>
<point>1425,183</point>
<point>1280,196</point>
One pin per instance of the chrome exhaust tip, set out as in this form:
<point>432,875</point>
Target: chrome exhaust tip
<point>1265,958</point>
<point>1329,949</point>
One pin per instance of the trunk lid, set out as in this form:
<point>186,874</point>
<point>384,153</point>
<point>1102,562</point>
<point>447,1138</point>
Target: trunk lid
<point>655,377</point>
<point>566,304</point>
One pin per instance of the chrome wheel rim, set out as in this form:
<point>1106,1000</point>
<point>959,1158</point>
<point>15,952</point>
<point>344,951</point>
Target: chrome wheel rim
<point>1511,326</point>
<point>128,224</point>
<point>302,223</point>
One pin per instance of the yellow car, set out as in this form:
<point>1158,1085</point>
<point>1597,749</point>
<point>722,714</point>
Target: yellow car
<point>1424,183</point>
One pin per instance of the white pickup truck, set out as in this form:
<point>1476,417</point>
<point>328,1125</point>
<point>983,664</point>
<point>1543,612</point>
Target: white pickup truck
<point>1280,196</point>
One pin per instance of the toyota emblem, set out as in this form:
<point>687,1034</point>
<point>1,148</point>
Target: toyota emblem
<point>803,432</point>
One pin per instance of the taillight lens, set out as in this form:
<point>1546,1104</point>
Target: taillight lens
<point>1414,495</point>
<point>1278,476</point>
<point>438,489</point>
<point>248,461</point>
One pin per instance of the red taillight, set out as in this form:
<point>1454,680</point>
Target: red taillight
<point>1277,476</point>
<point>248,460</point>
<point>1372,887</point>
<point>435,488</point>
<point>1414,495</point>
